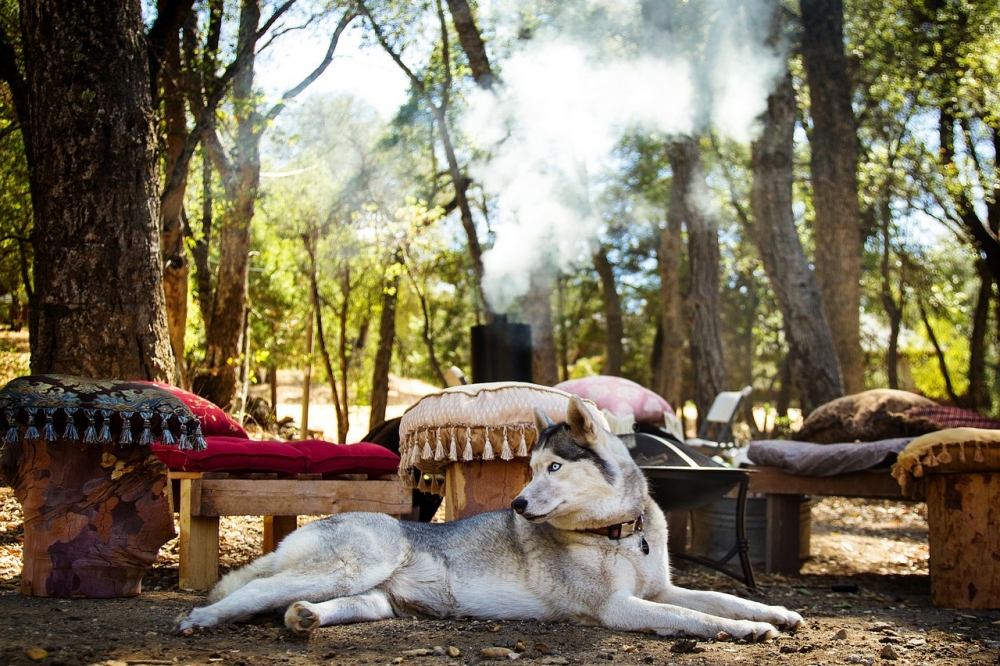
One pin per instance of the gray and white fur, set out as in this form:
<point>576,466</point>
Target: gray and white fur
<point>535,561</point>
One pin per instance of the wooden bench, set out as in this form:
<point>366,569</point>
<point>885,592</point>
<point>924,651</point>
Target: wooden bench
<point>785,493</point>
<point>202,497</point>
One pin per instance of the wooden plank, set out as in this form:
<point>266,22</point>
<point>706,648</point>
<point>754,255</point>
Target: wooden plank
<point>784,520</point>
<point>277,528</point>
<point>287,497</point>
<point>479,486</point>
<point>199,541</point>
<point>874,484</point>
<point>963,514</point>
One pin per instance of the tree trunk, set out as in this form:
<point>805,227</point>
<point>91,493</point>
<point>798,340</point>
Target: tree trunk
<point>612,315</point>
<point>203,272</point>
<point>386,340</point>
<point>893,310</point>
<point>471,41</point>
<point>671,379</point>
<point>705,325</point>
<point>978,395</point>
<point>172,226</point>
<point>834,165</point>
<point>223,337</point>
<point>98,277</point>
<point>538,312</point>
<point>814,361</point>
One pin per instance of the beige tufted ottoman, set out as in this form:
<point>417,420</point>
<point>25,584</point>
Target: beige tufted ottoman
<point>472,443</point>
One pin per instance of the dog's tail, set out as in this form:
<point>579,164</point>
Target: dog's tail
<point>260,568</point>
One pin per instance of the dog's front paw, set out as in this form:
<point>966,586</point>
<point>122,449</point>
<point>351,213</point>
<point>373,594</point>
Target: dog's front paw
<point>301,620</point>
<point>754,632</point>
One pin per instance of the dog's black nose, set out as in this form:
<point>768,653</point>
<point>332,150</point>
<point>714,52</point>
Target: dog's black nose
<point>519,504</point>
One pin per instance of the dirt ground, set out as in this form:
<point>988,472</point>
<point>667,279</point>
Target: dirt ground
<point>879,546</point>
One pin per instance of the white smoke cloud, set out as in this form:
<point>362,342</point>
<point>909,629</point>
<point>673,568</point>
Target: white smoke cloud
<point>566,99</point>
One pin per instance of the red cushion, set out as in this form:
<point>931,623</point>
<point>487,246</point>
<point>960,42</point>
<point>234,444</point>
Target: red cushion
<point>954,417</point>
<point>214,421</point>
<point>331,459</point>
<point>236,455</point>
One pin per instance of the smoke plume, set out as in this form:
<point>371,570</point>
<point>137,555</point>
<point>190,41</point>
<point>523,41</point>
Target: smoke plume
<point>591,72</point>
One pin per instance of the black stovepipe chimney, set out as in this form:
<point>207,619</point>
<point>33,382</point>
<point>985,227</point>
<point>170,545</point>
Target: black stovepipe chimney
<point>501,352</point>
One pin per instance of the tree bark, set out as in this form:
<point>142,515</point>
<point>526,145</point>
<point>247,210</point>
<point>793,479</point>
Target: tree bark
<point>386,340</point>
<point>813,358</point>
<point>613,328</point>
<point>538,312</point>
<point>98,277</point>
<point>834,165</point>
<point>704,322</point>
<point>671,380</point>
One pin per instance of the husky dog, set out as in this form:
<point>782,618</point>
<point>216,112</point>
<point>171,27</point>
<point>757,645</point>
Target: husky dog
<point>584,543</point>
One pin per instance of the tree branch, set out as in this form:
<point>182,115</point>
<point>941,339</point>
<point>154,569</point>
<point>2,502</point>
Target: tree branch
<point>345,20</point>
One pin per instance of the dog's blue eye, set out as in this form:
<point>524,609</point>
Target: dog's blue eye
<point>554,467</point>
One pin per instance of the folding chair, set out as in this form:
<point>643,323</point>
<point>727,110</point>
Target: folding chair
<point>716,432</point>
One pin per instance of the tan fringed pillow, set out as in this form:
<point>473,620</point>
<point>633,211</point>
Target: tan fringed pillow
<point>951,450</point>
<point>476,422</point>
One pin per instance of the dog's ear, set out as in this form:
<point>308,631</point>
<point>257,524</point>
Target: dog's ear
<point>542,421</point>
<point>581,423</point>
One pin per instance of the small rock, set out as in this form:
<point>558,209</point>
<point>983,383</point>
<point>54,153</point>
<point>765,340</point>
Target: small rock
<point>840,635</point>
<point>37,654</point>
<point>888,653</point>
<point>788,649</point>
<point>631,649</point>
<point>454,652</point>
<point>497,652</point>
<point>685,646</point>
<point>438,651</point>
<point>519,646</point>
<point>858,659</point>
<point>554,661</point>
<point>881,626</point>
<point>419,652</point>
<point>399,660</point>
<point>495,628</point>
<point>541,647</point>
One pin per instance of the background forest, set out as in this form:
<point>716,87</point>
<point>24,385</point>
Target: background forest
<point>696,195</point>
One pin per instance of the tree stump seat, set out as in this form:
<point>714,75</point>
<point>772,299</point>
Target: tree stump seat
<point>94,496</point>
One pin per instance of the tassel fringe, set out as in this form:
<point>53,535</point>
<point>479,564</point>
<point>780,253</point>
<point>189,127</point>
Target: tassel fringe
<point>32,431</point>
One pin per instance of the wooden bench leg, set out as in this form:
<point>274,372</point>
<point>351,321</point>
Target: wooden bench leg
<point>199,541</point>
<point>783,526</point>
<point>277,528</point>
<point>677,531</point>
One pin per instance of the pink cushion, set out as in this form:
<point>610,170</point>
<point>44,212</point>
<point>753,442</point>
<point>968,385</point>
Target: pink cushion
<point>619,396</point>
<point>236,455</point>
<point>214,421</point>
<point>331,459</point>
